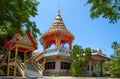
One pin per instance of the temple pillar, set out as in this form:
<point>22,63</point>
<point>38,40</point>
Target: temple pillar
<point>70,45</point>
<point>8,66</point>
<point>90,65</point>
<point>57,42</point>
<point>101,68</point>
<point>25,61</point>
<point>32,54</point>
<point>57,64</point>
<point>16,52</point>
<point>14,71</point>
<point>43,62</point>
<point>24,56</point>
<point>44,46</point>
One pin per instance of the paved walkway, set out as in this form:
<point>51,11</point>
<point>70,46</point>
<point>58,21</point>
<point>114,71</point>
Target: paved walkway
<point>61,77</point>
<point>70,77</point>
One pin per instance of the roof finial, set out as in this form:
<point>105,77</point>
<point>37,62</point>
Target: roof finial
<point>58,9</point>
<point>58,6</point>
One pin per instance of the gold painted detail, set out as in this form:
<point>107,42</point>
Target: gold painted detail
<point>58,57</point>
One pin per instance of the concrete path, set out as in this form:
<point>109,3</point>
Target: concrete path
<point>70,77</point>
<point>61,77</point>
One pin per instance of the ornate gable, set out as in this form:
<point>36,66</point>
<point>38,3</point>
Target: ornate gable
<point>24,43</point>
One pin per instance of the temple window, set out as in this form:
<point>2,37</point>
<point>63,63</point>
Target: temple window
<point>65,65</point>
<point>50,65</point>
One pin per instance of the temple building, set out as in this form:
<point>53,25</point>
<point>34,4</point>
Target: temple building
<point>58,58</point>
<point>21,60</point>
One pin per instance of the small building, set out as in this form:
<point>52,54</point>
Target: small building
<point>95,63</point>
<point>21,60</point>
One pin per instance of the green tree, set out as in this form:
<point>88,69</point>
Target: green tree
<point>77,60</point>
<point>114,64</point>
<point>108,9</point>
<point>88,53</point>
<point>116,47</point>
<point>106,68</point>
<point>15,16</point>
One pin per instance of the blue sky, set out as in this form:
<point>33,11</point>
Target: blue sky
<point>96,33</point>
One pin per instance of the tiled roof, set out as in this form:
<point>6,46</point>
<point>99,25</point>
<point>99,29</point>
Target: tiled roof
<point>58,25</point>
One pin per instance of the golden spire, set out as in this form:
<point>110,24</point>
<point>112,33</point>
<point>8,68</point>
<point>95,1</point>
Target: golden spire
<point>58,13</point>
<point>58,10</point>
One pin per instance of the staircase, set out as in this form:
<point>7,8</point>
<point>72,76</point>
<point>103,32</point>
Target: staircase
<point>32,72</point>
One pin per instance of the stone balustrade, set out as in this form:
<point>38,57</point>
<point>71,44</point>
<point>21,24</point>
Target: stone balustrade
<point>60,51</point>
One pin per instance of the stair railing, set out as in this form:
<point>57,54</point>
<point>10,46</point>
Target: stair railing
<point>39,65</point>
<point>20,63</point>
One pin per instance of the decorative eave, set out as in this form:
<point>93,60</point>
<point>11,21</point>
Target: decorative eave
<point>68,35</point>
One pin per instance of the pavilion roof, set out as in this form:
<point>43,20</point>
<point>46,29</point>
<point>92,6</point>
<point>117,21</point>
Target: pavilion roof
<point>99,55</point>
<point>58,26</point>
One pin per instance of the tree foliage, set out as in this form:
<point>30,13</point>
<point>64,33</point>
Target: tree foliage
<point>108,9</point>
<point>77,60</point>
<point>15,16</point>
<point>88,53</point>
<point>114,64</point>
<point>116,47</point>
<point>79,56</point>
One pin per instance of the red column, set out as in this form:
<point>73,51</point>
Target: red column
<point>57,41</point>
<point>70,45</point>
<point>44,46</point>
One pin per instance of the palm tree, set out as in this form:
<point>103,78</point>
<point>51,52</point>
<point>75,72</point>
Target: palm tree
<point>88,58</point>
<point>77,60</point>
<point>88,53</point>
<point>116,47</point>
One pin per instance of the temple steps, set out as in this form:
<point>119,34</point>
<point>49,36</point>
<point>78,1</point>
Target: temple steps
<point>32,72</point>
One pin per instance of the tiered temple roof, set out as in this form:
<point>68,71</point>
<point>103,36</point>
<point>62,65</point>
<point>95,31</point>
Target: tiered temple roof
<point>57,33</point>
<point>58,25</point>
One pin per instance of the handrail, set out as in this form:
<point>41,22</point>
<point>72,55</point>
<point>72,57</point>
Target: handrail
<point>3,60</point>
<point>33,57</point>
<point>29,59</point>
<point>39,65</point>
<point>12,60</point>
<point>36,66</point>
<point>21,63</point>
<point>39,54</point>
